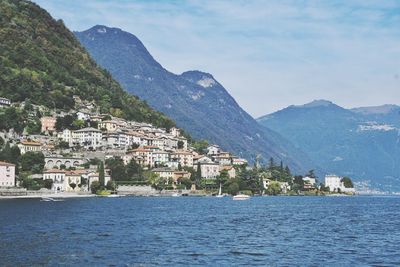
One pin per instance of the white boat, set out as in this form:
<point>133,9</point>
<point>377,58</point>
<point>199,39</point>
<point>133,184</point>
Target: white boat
<point>220,191</point>
<point>48,199</point>
<point>176,195</point>
<point>114,195</point>
<point>241,197</point>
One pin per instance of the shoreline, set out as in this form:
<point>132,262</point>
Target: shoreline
<point>54,195</point>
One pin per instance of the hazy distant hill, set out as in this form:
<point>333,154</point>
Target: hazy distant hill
<point>194,99</point>
<point>41,59</point>
<point>363,143</point>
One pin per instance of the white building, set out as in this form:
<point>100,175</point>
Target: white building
<point>213,150</point>
<point>29,146</point>
<point>185,158</point>
<point>89,138</point>
<point>335,184</point>
<point>7,174</point>
<point>4,102</point>
<point>58,177</point>
<point>309,183</point>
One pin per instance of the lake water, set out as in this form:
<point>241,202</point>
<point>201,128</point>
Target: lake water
<point>187,231</point>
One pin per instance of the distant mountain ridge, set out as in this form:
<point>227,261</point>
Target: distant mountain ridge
<point>363,143</point>
<point>194,99</point>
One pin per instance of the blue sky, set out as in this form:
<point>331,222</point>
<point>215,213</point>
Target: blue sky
<point>267,54</point>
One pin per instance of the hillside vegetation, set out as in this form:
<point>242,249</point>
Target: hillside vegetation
<point>41,60</point>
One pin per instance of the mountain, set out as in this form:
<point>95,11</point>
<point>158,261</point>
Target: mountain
<point>363,143</point>
<point>41,60</point>
<point>194,99</point>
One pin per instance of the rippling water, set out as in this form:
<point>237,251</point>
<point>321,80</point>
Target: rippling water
<point>201,231</point>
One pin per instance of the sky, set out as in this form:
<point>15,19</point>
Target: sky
<point>267,54</point>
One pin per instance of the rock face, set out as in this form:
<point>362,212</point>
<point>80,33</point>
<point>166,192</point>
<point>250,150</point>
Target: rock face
<point>194,99</point>
<point>363,143</point>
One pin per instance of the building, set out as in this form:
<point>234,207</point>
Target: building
<point>230,170</point>
<point>53,161</point>
<point>7,174</point>
<point>94,176</point>
<point>159,158</point>
<point>58,178</point>
<point>73,180</point>
<point>29,146</point>
<point>89,138</point>
<point>239,161</point>
<point>309,183</point>
<point>335,184</point>
<point>84,116</point>
<point>175,132</point>
<point>165,173</point>
<point>208,168</point>
<point>4,102</point>
<point>213,150</point>
<point>223,158</point>
<point>185,158</point>
<point>48,124</point>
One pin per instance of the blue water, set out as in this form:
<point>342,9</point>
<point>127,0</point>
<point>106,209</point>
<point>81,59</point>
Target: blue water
<point>129,231</point>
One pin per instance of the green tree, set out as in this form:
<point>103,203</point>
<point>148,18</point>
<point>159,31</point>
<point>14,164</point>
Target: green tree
<point>347,182</point>
<point>111,185</point>
<point>180,144</point>
<point>95,186</point>
<point>33,162</point>
<point>48,183</point>
<point>274,188</point>
<point>233,188</point>
<point>133,170</point>
<point>117,169</point>
<point>101,174</point>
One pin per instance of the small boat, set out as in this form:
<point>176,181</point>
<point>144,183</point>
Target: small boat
<point>241,197</point>
<point>220,191</point>
<point>48,199</point>
<point>114,195</point>
<point>175,195</point>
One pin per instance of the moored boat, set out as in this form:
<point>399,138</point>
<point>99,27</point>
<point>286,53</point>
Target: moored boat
<point>241,197</point>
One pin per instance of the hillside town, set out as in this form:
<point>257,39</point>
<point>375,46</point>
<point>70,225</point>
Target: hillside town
<point>85,151</point>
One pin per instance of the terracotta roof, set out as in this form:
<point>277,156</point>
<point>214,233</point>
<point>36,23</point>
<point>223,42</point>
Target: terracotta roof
<point>54,171</point>
<point>140,150</point>
<point>3,163</point>
<point>30,143</point>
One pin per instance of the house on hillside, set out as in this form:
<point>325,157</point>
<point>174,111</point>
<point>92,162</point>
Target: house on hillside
<point>29,146</point>
<point>7,174</point>
<point>4,102</point>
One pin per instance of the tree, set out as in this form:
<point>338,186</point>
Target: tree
<point>33,162</point>
<point>347,182</point>
<point>48,183</point>
<point>186,182</point>
<point>1,142</point>
<point>101,174</point>
<point>198,174</point>
<point>72,185</point>
<point>233,188</point>
<point>311,174</point>
<point>274,188</point>
<point>95,186</point>
<point>111,186</point>
<point>63,145</point>
<point>133,170</point>
<point>117,169</point>
<point>200,146</point>
<point>180,144</point>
